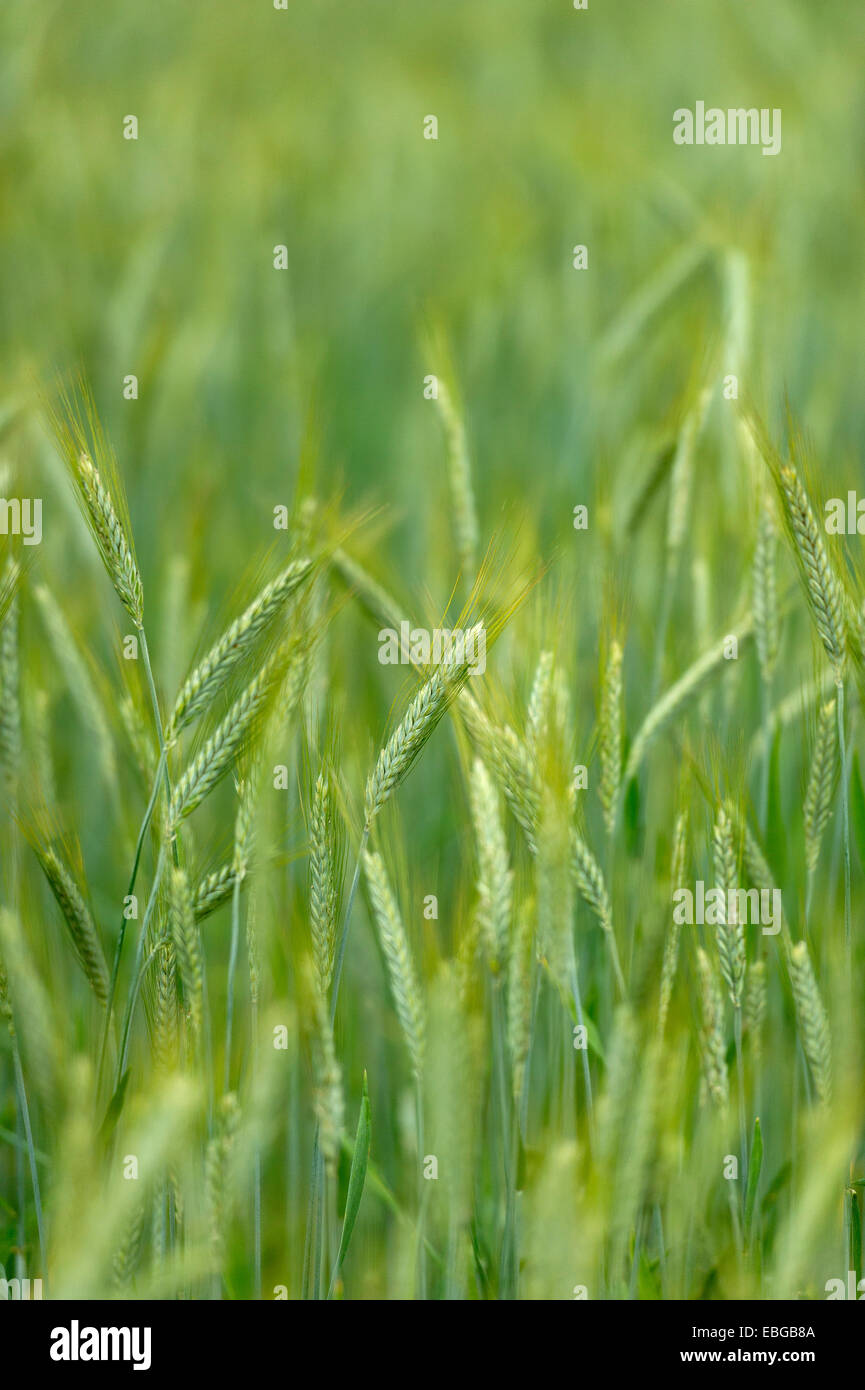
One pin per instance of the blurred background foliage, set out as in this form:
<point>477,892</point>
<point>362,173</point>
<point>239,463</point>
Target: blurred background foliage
<point>259,128</point>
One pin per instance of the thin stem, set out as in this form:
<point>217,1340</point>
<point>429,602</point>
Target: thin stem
<point>419,1127</point>
<point>617,964</point>
<point>256,1222</point>
<point>160,734</point>
<point>232,970</point>
<point>256,1177</point>
<point>321,1221</point>
<point>138,972</point>
<point>145,825</point>
<point>506,1261</point>
<point>311,1215</point>
<point>139,980</point>
<point>21,1270</point>
<point>24,1111</point>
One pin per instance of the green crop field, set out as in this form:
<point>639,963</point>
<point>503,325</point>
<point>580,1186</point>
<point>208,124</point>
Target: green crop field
<point>432,650</point>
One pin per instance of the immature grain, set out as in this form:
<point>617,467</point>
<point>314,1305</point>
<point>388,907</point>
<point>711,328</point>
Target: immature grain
<point>537,721</point>
<point>420,720</point>
<point>821,782</point>
<point>11,741</point>
<point>589,878</point>
<point>325,877</point>
<point>507,756</point>
<point>397,954</point>
<point>730,934</point>
<point>166,1029</point>
<point>822,588</point>
<point>220,750</point>
<point>495,879</point>
<point>213,671</point>
<point>611,734</point>
<point>712,1041</point>
<point>327,1085</point>
<point>764,590</point>
<point>112,542</point>
<point>813,1021</point>
<point>213,891</point>
<point>78,919</point>
<point>756,997</point>
<point>244,824</point>
<point>187,949</point>
<point>505,753</point>
<point>460,481</point>
<point>219,1177</point>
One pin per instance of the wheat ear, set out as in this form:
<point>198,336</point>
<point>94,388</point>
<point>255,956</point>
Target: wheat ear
<point>420,720</point>
<point>213,890</point>
<point>187,949</point>
<point>212,672</point>
<point>813,1021</point>
<point>111,539</point>
<point>539,705</point>
<point>712,1034</point>
<point>495,879</point>
<point>611,734</point>
<point>76,915</point>
<point>219,1176</point>
<point>397,954</point>
<point>822,588</point>
<point>327,1077</point>
<point>218,753</point>
<point>460,481</point>
<point>731,932</point>
<point>324,878</point>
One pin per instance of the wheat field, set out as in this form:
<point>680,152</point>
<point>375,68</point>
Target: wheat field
<point>432,661</point>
